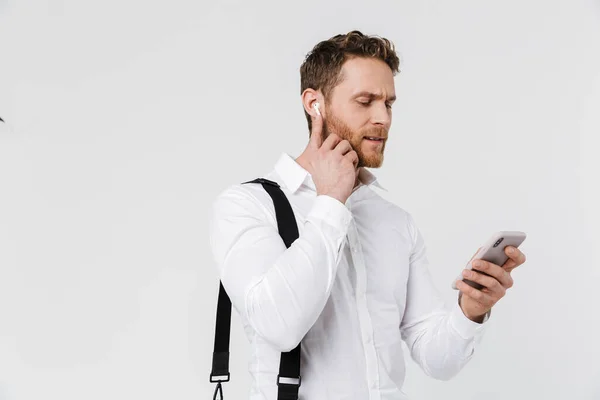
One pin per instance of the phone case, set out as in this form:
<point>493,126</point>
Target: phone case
<point>493,251</point>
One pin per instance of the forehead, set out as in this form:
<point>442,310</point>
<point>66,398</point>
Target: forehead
<point>366,74</point>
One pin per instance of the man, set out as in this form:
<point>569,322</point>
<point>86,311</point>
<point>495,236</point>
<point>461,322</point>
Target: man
<point>355,283</point>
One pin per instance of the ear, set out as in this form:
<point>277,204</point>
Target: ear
<point>316,107</point>
<point>310,97</point>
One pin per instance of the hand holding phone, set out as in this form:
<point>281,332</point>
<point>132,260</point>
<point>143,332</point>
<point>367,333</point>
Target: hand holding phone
<point>493,251</point>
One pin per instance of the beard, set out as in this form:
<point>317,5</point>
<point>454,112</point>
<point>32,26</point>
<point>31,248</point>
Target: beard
<point>369,156</point>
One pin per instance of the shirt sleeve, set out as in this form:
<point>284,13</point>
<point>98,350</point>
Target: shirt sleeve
<point>280,291</point>
<point>441,339</point>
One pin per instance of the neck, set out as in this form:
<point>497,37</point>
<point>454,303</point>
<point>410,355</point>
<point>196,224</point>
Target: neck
<point>356,182</point>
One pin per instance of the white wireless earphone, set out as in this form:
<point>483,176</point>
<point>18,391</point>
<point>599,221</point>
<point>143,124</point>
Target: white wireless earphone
<point>316,107</point>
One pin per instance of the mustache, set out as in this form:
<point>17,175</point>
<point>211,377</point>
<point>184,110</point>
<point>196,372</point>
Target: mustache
<point>377,132</point>
<point>340,128</point>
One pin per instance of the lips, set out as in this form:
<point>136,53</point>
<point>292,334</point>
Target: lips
<point>375,138</point>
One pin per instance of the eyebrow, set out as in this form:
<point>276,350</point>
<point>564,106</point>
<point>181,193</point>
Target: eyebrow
<point>372,95</point>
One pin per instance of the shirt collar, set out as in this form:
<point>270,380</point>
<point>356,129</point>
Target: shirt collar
<point>294,176</point>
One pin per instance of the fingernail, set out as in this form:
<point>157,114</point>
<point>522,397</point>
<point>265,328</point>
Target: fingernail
<point>476,264</point>
<point>466,273</point>
<point>511,250</point>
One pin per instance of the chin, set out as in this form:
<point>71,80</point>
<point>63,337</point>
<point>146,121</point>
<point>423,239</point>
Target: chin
<point>371,160</point>
<point>370,163</point>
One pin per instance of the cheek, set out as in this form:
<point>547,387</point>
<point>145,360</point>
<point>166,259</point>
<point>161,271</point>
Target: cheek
<point>355,116</point>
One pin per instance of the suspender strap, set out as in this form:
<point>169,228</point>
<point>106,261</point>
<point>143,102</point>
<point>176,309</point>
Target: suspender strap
<point>288,380</point>
<point>289,364</point>
<point>220,363</point>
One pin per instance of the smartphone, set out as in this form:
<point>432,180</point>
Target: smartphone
<point>492,251</point>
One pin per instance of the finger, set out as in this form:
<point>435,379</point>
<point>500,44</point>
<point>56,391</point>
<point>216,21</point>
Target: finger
<point>316,132</point>
<point>343,147</point>
<point>494,271</point>
<point>475,294</point>
<point>487,281</point>
<point>353,156</point>
<point>473,256</point>
<point>331,142</point>
<point>515,259</point>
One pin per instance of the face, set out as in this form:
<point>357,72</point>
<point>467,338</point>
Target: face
<point>359,108</point>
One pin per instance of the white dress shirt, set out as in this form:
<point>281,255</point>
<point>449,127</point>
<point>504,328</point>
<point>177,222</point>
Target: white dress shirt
<point>351,288</point>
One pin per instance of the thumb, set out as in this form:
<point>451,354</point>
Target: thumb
<point>316,132</point>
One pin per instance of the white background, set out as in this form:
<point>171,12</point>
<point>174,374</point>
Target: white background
<point>126,118</point>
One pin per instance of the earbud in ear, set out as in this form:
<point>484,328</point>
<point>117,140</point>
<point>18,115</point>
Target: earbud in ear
<point>316,107</point>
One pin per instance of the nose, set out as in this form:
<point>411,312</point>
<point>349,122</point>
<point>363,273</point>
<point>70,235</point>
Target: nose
<point>381,115</point>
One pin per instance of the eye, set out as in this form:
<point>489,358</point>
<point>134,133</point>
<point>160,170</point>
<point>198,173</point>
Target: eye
<point>364,102</point>
<point>388,105</point>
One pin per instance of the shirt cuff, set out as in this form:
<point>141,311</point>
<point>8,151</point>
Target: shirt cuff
<point>466,328</point>
<point>331,211</point>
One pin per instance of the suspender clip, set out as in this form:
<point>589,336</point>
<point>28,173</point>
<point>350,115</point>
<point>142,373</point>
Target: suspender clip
<point>288,378</point>
<point>219,378</point>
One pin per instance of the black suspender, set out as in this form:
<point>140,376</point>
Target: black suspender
<point>220,362</point>
<point>289,364</point>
